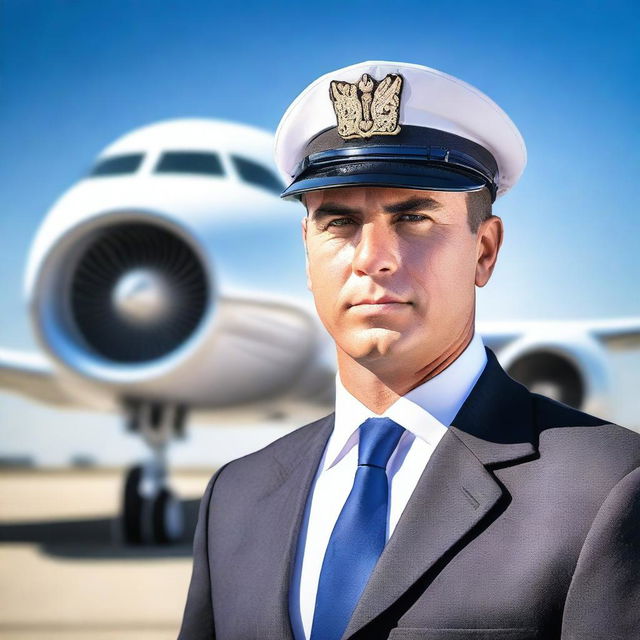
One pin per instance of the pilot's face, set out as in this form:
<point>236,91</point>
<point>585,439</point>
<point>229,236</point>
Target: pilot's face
<point>393,271</point>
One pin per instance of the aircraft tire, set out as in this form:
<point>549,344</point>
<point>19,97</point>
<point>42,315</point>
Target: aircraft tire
<point>168,517</point>
<point>132,507</point>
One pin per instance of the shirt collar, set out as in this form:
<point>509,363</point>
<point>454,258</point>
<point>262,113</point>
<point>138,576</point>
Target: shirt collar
<point>425,411</point>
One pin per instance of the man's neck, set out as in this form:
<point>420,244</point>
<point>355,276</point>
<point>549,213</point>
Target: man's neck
<point>379,389</point>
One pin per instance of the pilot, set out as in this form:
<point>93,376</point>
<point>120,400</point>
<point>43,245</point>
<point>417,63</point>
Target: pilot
<point>441,499</point>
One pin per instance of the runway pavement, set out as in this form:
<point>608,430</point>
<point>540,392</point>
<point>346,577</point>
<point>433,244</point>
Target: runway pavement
<point>64,576</point>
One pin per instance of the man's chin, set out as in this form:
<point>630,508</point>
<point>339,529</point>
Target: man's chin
<point>371,345</point>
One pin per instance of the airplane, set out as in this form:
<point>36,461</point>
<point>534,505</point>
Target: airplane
<point>169,282</point>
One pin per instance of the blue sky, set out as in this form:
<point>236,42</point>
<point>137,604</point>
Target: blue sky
<point>75,75</point>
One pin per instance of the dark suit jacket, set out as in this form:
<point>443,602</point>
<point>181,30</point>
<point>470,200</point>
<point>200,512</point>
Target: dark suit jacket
<point>524,524</point>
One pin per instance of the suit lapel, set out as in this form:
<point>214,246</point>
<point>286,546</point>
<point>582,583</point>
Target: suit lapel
<point>454,494</point>
<point>282,507</point>
<point>455,491</point>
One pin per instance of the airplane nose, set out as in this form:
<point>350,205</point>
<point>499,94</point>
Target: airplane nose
<point>142,297</point>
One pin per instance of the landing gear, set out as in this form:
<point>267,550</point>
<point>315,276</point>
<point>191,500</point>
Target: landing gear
<point>132,506</point>
<point>167,517</point>
<point>151,513</point>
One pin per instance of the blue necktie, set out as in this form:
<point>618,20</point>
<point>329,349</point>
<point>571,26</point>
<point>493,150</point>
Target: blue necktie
<point>359,535</point>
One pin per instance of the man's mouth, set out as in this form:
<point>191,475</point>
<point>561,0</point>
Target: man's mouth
<point>386,299</point>
<point>383,303</point>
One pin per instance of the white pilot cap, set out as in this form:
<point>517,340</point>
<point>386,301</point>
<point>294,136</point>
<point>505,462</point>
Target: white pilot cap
<point>383,123</point>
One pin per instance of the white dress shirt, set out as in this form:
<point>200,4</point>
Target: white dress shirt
<point>425,412</point>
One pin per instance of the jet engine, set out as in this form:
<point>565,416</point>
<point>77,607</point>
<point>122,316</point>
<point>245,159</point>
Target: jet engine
<point>572,369</point>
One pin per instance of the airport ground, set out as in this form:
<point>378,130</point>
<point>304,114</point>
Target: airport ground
<point>63,573</point>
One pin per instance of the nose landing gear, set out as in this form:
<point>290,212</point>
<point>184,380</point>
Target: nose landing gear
<point>151,513</point>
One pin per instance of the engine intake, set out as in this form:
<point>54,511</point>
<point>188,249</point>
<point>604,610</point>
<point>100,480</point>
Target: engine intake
<point>137,292</point>
<point>550,375</point>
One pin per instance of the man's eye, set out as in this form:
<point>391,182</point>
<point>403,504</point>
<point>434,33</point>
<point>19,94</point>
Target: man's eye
<point>412,217</point>
<point>339,222</point>
<point>348,221</point>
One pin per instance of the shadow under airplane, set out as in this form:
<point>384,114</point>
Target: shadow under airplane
<point>97,538</point>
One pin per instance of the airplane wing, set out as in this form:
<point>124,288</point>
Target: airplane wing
<point>616,333</point>
<point>623,333</point>
<point>31,375</point>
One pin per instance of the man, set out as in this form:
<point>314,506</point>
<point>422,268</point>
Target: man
<point>441,499</point>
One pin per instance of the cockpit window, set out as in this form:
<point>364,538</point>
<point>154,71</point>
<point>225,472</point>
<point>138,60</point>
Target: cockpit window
<point>257,174</point>
<point>118,165</point>
<point>199,162</point>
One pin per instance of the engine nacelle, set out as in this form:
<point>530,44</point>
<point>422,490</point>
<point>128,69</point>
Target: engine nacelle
<point>566,368</point>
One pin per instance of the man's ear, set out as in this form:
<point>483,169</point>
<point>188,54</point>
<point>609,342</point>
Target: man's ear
<point>489,240</point>
<point>306,251</point>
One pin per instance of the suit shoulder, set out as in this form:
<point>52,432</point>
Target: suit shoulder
<point>268,456</point>
<point>551,413</point>
<point>586,435</point>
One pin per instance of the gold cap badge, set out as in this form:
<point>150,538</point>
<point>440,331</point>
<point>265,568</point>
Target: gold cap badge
<point>368,108</point>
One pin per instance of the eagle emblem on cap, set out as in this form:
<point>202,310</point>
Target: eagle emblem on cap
<point>368,108</point>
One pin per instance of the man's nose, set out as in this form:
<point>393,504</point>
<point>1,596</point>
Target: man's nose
<point>376,250</point>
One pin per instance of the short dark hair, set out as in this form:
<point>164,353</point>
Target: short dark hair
<point>478,208</point>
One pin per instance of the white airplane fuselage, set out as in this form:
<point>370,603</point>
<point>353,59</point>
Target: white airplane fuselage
<point>257,347</point>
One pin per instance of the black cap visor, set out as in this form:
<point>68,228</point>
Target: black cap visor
<point>417,158</point>
<point>386,173</point>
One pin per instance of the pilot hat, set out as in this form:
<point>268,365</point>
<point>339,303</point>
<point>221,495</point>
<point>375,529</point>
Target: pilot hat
<point>395,124</point>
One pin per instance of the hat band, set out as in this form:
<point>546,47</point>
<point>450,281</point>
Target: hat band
<point>413,147</point>
<point>432,155</point>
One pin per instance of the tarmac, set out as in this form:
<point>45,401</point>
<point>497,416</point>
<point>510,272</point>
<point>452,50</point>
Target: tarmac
<point>64,574</point>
